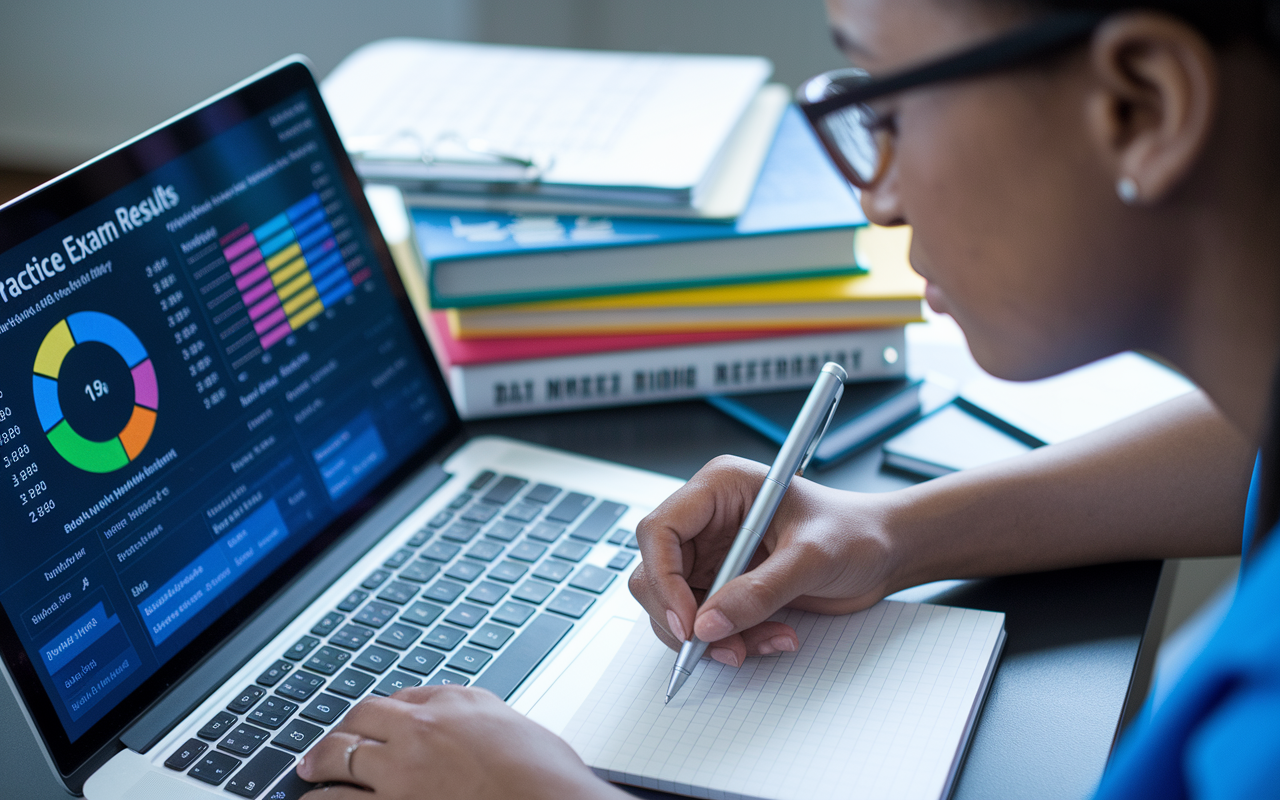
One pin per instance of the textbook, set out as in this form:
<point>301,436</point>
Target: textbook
<point>657,374</point>
<point>888,293</point>
<point>800,222</point>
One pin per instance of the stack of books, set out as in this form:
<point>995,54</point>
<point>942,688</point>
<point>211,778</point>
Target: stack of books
<point>535,312</point>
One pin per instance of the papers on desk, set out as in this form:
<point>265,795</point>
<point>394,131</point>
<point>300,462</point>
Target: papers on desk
<point>877,704</point>
<point>542,129</point>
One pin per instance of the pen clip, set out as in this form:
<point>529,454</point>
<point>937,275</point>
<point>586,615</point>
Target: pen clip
<point>817,437</point>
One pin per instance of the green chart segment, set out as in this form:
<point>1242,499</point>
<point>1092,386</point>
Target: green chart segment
<point>87,454</point>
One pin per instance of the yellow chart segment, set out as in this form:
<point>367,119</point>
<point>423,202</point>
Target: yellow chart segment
<point>57,343</point>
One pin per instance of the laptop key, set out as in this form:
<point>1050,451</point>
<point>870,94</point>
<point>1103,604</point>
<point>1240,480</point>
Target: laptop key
<point>523,654</point>
<point>444,637</point>
<point>352,601</point>
<point>272,712</point>
<point>460,501</point>
<point>421,661</point>
<point>376,578</point>
<point>632,543</point>
<point>542,493</point>
<point>351,683</point>
<point>272,674</point>
<point>443,591</point>
<point>398,559</point>
<point>571,603</point>
<point>214,768</point>
<point>508,572</point>
<point>375,614</point>
<point>485,550</point>
<point>533,591</point>
<point>419,571</point>
<point>298,736</point>
<point>504,490</point>
<point>491,636</point>
<point>441,519</point>
<point>487,592</point>
<point>291,787</point>
<point>465,571</point>
<point>568,509</point>
<point>245,700</point>
<point>592,579</point>
<point>351,636</point>
<point>572,551</point>
<point>327,660</point>
<point>598,522</point>
<point>329,624</point>
<point>375,659</point>
<point>394,682</point>
<point>513,613</point>
<point>183,756</point>
<point>244,739</point>
<point>214,728</point>
<point>466,615</point>
<point>261,770</point>
<point>546,531</point>
<point>554,571</point>
<point>419,538</point>
<point>480,512</point>
<point>469,660</point>
<point>461,532</point>
<point>441,551</point>
<point>523,512</point>
<point>398,592</point>
<point>399,636</point>
<point>325,708</point>
<point>301,647</point>
<point>621,560</point>
<point>300,685</point>
<point>504,530</point>
<point>527,551</point>
<point>482,480</point>
<point>619,536</point>
<point>446,678</point>
<point>421,613</point>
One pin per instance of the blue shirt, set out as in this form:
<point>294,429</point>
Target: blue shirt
<point>1217,734</point>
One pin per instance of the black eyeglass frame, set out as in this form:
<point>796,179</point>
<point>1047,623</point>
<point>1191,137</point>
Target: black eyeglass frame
<point>1046,35</point>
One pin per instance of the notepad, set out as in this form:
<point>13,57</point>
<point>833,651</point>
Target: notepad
<point>878,704</point>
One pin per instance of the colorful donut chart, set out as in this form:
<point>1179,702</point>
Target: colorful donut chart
<point>88,455</point>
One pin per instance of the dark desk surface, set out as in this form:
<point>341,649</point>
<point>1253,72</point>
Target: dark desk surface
<point>1057,699</point>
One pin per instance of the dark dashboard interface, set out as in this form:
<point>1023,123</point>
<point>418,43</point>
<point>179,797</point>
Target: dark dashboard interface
<point>198,373</point>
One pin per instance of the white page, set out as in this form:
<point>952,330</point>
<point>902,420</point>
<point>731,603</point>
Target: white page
<point>605,118</point>
<point>873,705</point>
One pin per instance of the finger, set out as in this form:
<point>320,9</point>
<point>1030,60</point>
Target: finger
<point>328,760</point>
<point>770,638</point>
<point>664,635</point>
<point>375,718</point>
<point>754,596</point>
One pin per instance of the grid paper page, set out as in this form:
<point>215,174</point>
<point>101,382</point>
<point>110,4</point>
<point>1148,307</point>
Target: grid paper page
<point>873,705</point>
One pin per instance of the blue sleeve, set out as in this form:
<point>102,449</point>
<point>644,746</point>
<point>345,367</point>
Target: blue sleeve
<point>1235,752</point>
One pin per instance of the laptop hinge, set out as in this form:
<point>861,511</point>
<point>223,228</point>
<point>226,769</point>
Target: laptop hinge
<point>184,696</point>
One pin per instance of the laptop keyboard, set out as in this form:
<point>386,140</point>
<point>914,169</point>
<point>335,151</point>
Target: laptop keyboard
<point>480,595</point>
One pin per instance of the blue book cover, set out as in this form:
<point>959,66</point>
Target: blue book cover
<point>485,257</point>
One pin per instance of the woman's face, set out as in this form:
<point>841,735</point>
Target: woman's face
<point>1012,205</point>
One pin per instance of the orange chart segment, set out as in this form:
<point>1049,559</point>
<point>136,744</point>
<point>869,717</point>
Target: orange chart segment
<point>135,435</point>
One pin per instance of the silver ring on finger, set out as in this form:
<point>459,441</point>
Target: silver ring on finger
<point>348,753</point>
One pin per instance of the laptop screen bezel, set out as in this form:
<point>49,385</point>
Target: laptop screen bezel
<point>59,199</point>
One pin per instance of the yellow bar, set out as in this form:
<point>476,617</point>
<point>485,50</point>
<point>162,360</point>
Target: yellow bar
<point>294,286</point>
<point>284,255</point>
<point>301,300</point>
<point>53,349</point>
<point>281,275</point>
<point>304,316</point>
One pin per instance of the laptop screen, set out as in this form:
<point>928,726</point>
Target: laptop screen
<point>207,370</point>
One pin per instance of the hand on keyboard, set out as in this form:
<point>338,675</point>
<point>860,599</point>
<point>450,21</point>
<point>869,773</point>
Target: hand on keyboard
<point>447,741</point>
<point>826,551</point>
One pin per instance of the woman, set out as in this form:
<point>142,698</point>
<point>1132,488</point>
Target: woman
<point>1088,184</point>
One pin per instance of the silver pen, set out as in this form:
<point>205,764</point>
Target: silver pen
<point>815,415</point>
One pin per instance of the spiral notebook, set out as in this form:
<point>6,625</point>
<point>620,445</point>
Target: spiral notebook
<point>878,704</point>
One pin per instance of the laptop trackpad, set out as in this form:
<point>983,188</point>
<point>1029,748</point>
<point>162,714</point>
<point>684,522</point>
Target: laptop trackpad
<point>561,701</point>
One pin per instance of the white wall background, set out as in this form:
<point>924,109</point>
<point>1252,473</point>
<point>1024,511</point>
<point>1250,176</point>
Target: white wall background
<point>78,77</point>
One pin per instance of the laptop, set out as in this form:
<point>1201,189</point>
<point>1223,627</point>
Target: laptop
<point>236,496</point>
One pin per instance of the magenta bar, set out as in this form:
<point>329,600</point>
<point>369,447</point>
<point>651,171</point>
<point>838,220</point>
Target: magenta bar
<point>250,278</point>
<point>254,294</point>
<point>259,309</point>
<point>241,264</point>
<point>267,322</point>
<point>239,246</point>
<point>276,335</point>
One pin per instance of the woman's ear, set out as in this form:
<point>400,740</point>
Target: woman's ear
<point>1152,107</point>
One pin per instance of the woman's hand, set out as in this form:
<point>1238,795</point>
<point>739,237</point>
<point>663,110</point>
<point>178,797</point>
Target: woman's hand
<point>825,551</point>
<point>445,741</point>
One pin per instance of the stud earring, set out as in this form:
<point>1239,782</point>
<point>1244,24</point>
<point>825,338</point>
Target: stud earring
<point>1127,190</point>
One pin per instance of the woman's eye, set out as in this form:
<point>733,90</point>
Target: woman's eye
<point>885,121</point>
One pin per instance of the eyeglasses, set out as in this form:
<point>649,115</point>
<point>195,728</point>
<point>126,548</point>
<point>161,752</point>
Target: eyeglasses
<point>860,141</point>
